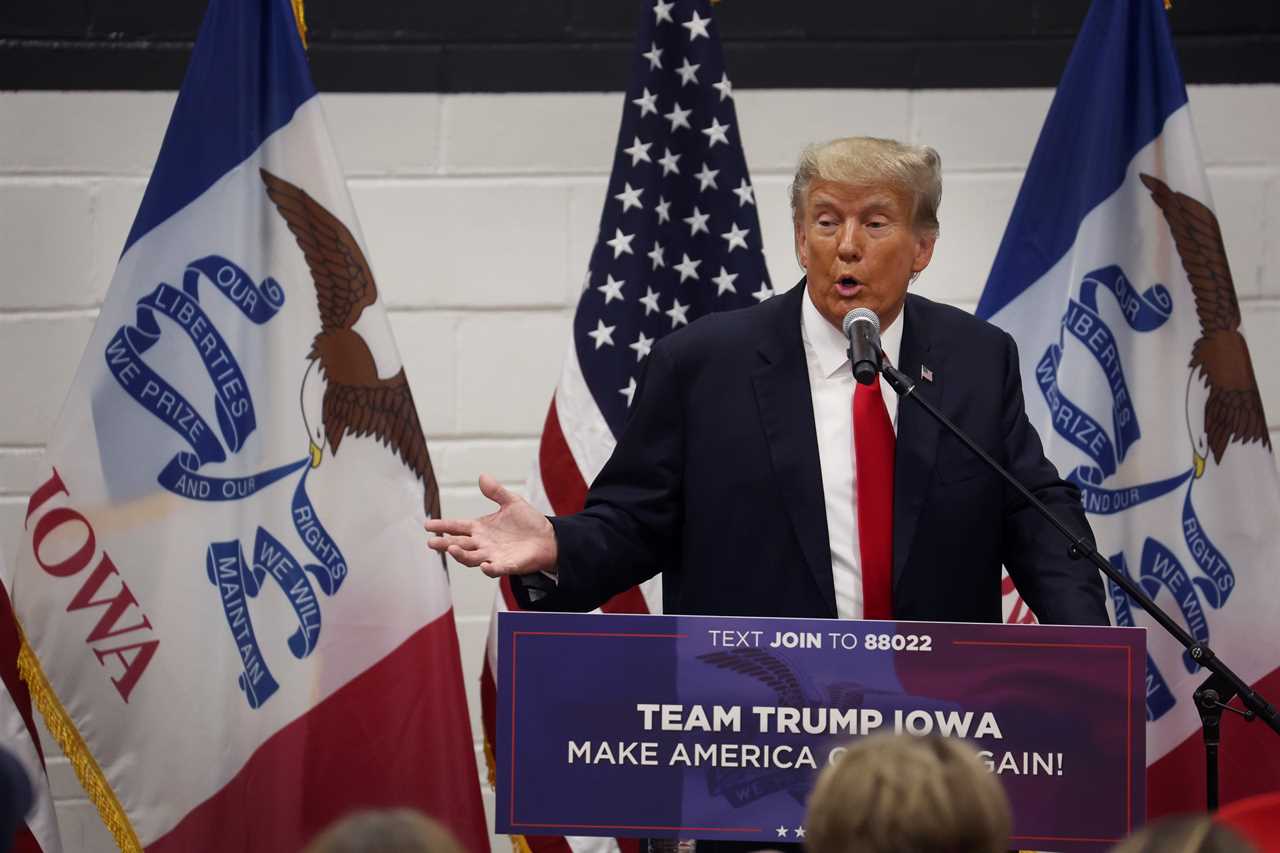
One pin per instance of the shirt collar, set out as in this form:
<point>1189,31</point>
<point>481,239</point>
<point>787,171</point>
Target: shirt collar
<point>831,346</point>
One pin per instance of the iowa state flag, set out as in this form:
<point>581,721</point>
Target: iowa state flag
<point>231,621</point>
<point>1113,279</point>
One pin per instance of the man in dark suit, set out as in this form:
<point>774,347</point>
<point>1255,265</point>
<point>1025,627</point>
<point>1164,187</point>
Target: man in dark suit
<point>743,476</point>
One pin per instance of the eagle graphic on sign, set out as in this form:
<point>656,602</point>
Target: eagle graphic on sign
<point>1233,408</point>
<point>341,392</point>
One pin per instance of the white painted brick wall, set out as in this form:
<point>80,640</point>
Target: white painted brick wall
<point>480,212</point>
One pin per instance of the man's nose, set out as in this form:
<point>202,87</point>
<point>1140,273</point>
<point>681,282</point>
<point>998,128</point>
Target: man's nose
<point>849,246</point>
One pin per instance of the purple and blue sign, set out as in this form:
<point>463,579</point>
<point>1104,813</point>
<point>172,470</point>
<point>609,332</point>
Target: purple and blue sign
<point>716,727</point>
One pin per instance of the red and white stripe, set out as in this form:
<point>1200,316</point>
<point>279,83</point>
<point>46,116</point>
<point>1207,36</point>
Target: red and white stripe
<point>576,442</point>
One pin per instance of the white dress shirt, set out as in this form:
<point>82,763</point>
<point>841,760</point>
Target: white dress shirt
<point>831,383</point>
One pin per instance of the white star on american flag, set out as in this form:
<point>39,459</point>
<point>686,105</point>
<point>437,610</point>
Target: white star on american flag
<point>697,222</point>
<point>654,56</point>
<point>736,237</point>
<point>642,346</point>
<point>668,162</point>
<point>602,335</point>
<point>716,133</point>
<point>639,151</point>
<point>707,177</point>
<point>630,198</point>
<point>649,301</point>
<point>724,87</point>
<point>724,282</point>
<point>630,391</point>
<point>648,103</point>
<point>662,12</point>
<point>688,73</point>
<point>655,255</point>
<point>677,314</point>
<point>745,194</point>
<point>679,117</point>
<point>664,210</point>
<point>621,243</point>
<point>612,289</point>
<point>763,293</point>
<point>696,27</point>
<point>688,268</point>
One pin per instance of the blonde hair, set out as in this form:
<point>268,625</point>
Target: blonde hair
<point>904,794</point>
<point>915,170</point>
<point>389,831</point>
<point>1184,834</point>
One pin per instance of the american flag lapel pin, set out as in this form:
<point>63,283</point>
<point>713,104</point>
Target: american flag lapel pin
<point>926,374</point>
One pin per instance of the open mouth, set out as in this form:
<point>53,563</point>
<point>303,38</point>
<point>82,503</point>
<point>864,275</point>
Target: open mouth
<point>847,285</point>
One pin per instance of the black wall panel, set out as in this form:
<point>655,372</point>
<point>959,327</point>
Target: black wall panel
<point>583,45</point>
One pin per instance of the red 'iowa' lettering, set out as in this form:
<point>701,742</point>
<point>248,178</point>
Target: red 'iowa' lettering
<point>132,658</point>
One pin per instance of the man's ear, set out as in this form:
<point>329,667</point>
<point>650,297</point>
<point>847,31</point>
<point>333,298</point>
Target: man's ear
<point>923,251</point>
<point>802,245</point>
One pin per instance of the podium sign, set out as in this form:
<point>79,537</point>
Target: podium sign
<point>716,727</point>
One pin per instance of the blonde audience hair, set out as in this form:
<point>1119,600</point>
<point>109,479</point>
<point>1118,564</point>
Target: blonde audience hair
<point>1184,834</point>
<point>905,794</point>
<point>866,161</point>
<point>389,831</point>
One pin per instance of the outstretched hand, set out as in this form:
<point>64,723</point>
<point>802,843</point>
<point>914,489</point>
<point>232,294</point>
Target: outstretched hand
<point>514,540</point>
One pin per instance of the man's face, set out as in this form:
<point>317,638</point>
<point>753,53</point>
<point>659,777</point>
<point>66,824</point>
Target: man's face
<point>858,249</point>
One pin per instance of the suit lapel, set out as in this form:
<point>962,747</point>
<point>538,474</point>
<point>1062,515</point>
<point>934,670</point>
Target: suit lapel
<point>781,382</point>
<point>918,434</point>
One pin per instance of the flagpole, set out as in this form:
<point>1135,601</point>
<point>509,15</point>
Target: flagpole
<point>1222,685</point>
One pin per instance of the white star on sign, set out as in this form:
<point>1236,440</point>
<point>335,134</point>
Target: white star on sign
<point>763,293</point>
<point>677,314</point>
<point>662,12</point>
<point>638,151</point>
<point>707,177</point>
<point>655,255</point>
<point>724,86</point>
<point>620,242</point>
<point>724,282</point>
<point>782,832</point>
<point>736,237</point>
<point>668,163</point>
<point>745,194</point>
<point>649,301</point>
<point>799,832</point>
<point>679,117</point>
<point>715,133</point>
<point>612,289</point>
<point>688,73</point>
<point>664,210</point>
<point>654,56</point>
<point>688,268</point>
<point>630,198</point>
<point>697,221</point>
<point>630,391</point>
<point>648,103</point>
<point>642,346</point>
<point>696,27</point>
<point>602,335</point>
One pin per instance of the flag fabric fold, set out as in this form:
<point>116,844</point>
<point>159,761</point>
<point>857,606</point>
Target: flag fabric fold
<point>230,620</point>
<point>679,237</point>
<point>1113,279</point>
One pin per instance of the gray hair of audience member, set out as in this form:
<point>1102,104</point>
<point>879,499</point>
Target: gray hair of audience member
<point>390,831</point>
<point>905,794</point>
<point>1184,834</point>
<point>866,161</point>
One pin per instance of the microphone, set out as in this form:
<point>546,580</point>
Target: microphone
<point>862,327</point>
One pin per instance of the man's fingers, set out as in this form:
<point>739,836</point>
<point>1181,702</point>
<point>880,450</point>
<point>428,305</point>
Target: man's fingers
<point>495,491</point>
<point>452,526</point>
<point>468,557</point>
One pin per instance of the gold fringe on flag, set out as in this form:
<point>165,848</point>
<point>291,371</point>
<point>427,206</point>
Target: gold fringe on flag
<point>75,749</point>
<point>299,15</point>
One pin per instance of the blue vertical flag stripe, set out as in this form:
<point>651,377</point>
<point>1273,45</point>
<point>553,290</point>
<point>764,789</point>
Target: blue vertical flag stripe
<point>679,235</point>
<point>1107,108</point>
<point>212,128</point>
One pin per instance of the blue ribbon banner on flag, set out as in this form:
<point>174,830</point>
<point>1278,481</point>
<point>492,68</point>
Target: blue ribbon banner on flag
<point>236,580</point>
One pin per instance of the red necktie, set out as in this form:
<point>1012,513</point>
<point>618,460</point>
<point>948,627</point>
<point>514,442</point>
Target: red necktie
<point>873,442</point>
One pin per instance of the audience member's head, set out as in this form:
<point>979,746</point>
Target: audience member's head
<point>1184,834</point>
<point>904,794</point>
<point>392,831</point>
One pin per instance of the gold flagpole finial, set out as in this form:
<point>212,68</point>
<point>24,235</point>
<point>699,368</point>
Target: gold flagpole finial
<point>300,17</point>
<point>1168,4</point>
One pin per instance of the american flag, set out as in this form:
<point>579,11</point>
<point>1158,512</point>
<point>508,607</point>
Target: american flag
<point>679,237</point>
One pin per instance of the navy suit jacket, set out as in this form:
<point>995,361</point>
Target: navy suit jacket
<point>715,481</point>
